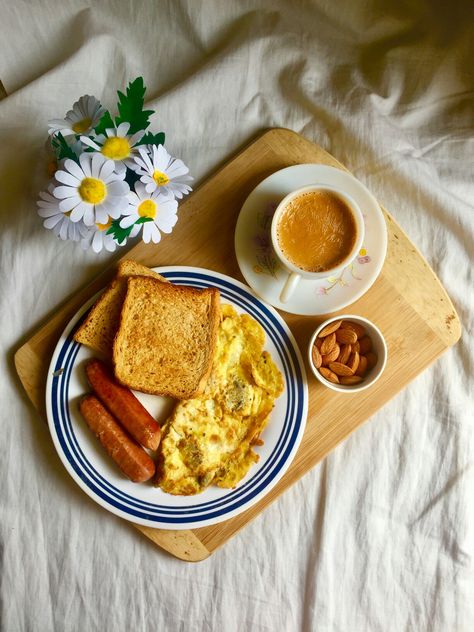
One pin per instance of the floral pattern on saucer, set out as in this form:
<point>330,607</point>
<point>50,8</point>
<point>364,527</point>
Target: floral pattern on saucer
<point>261,267</point>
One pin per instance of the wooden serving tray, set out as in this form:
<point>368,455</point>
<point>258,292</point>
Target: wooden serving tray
<point>407,302</point>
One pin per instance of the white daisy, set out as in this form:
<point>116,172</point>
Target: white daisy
<point>158,207</point>
<point>98,238</point>
<point>92,190</point>
<point>58,221</point>
<point>84,116</point>
<point>116,144</point>
<point>158,170</point>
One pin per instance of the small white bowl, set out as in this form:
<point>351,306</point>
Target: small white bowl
<point>379,347</point>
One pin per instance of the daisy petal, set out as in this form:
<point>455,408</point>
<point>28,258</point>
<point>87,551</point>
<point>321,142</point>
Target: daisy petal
<point>68,204</point>
<point>101,215</point>
<point>146,235</point>
<point>48,212</point>
<point>118,187</point>
<point>132,197</point>
<point>106,170</point>
<point>135,230</point>
<point>73,168</point>
<point>89,216</point>
<point>140,190</point>
<point>122,129</point>
<point>155,233</point>
<point>96,164</point>
<point>64,229</point>
<point>65,191</point>
<point>85,140</point>
<point>133,140</point>
<point>148,165</point>
<point>150,186</point>
<point>85,161</point>
<point>97,242</point>
<point>52,221</point>
<point>166,222</point>
<point>128,221</point>
<point>67,178</point>
<point>110,245</point>
<point>77,213</point>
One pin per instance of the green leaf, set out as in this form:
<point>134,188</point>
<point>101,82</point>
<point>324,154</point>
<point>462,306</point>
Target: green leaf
<point>130,107</point>
<point>152,139</point>
<point>62,149</point>
<point>119,234</point>
<point>105,122</point>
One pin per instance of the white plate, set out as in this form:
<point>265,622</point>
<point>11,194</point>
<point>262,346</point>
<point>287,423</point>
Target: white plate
<point>261,268</point>
<point>144,504</point>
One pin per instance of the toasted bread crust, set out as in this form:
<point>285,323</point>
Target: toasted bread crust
<point>166,338</point>
<point>100,326</point>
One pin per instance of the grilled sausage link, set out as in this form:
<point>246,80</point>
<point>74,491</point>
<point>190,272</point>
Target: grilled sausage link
<point>123,404</point>
<point>131,458</point>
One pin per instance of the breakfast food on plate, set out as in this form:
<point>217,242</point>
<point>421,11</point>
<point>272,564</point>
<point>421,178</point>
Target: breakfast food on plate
<point>100,325</point>
<point>166,337</point>
<point>174,340</point>
<point>123,404</point>
<point>342,353</point>
<point>209,439</point>
<point>131,458</point>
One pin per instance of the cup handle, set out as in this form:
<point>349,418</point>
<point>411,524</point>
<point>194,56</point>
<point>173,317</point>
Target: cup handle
<point>289,287</point>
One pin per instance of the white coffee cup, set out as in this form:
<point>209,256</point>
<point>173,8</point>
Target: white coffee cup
<point>295,274</point>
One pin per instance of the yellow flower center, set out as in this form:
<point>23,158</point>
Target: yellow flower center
<point>82,126</point>
<point>147,208</point>
<point>68,213</point>
<point>92,191</point>
<point>116,148</point>
<point>160,178</point>
<point>105,226</point>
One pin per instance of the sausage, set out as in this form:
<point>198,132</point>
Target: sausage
<point>131,458</point>
<point>123,405</point>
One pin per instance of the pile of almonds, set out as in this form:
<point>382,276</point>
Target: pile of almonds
<point>343,352</point>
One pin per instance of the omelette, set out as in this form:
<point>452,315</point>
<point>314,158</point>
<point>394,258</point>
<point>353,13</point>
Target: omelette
<point>210,438</point>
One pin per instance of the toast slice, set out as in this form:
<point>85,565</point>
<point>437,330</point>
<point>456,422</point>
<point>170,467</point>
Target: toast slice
<point>166,339</point>
<point>100,326</point>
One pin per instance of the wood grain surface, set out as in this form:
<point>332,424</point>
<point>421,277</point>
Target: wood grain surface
<point>407,302</point>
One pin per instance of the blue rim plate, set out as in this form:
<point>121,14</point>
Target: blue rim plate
<point>144,504</point>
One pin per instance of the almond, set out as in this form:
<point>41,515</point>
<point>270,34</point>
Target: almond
<point>365,345</point>
<point>362,368</point>
<point>371,359</point>
<point>329,375</point>
<point>329,329</point>
<point>318,342</point>
<point>356,347</point>
<point>351,379</point>
<point>332,355</point>
<point>345,353</point>
<point>353,362</point>
<point>346,336</point>
<point>356,327</point>
<point>340,369</point>
<point>316,357</point>
<point>328,344</point>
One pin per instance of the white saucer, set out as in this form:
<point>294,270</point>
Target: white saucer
<point>262,270</point>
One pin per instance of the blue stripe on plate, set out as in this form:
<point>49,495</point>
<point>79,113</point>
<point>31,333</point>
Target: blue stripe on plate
<point>239,490</point>
<point>238,497</point>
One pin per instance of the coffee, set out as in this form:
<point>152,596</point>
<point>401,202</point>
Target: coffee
<point>316,231</point>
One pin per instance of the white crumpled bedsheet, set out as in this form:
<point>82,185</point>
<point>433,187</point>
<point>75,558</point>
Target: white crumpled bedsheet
<point>378,537</point>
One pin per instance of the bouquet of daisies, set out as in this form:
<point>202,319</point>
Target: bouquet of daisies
<point>112,179</point>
